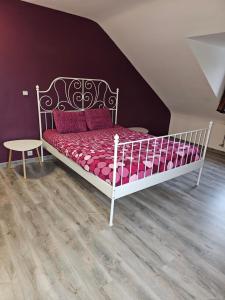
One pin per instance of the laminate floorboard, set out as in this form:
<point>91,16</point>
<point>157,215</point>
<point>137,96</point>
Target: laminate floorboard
<point>168,241</point>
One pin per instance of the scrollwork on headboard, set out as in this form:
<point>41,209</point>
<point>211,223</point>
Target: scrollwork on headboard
<point>66,93</point>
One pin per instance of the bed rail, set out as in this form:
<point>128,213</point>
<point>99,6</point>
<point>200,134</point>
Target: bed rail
<point>187,153</point>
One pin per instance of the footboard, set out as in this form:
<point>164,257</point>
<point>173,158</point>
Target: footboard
<point>147,162</point>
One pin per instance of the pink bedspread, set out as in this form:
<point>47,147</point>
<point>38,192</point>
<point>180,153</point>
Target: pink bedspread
<point>94,150</point>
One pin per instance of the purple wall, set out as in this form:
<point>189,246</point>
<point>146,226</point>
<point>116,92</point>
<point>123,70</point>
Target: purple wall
<point>38,44</point>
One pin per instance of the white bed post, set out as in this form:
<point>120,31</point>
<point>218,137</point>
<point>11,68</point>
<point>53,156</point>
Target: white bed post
<point>39,118</point>
<point>205,150</point>
<point>116,142</point>
<point>117,99</point>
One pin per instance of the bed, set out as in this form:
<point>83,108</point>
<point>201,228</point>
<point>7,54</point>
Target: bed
<point>115,160</point>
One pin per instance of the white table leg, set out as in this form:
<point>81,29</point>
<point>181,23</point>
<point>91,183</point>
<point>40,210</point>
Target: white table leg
<point>39,158</point>
<point>24,166</point>
<point>10,159</point>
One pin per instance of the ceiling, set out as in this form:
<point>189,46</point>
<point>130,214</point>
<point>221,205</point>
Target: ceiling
<point>154,35</point>
<point>157,43</point>
<point>93,9</point>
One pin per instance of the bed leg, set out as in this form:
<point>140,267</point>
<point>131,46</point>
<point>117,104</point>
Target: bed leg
<point>111,212</point>
<point>199,176</point>
<point>42,154</point>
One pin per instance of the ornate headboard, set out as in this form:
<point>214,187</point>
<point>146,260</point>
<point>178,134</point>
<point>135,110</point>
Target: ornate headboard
<point>78,94</point>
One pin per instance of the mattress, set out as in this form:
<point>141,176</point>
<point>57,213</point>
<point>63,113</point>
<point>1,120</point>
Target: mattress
<point>94,152</point>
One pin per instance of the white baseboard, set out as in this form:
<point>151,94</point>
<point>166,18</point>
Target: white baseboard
<point>28,161</point>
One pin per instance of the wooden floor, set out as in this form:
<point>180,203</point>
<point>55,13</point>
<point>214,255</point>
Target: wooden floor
<point>168,242</point>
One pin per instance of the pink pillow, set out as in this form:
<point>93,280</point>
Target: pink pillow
<point>69,121</point>
<point>98,118</point>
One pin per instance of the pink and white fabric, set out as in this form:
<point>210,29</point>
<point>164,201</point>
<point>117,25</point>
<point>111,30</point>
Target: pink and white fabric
<point>69,121</point>
<point>98,118</point>
<point>94,152</point>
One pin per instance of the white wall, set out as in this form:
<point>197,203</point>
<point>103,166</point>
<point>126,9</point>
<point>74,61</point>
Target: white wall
<point>212,61</point>
<point>183,122</point>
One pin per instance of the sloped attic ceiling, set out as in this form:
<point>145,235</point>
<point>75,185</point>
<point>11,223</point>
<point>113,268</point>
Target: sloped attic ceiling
<point>154,36</point>
<point>93,9</point>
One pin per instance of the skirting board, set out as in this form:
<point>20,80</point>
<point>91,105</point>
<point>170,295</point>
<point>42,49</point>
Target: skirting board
<point>28,161</point>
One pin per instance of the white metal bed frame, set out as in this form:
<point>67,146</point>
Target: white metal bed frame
<point>80,94</point>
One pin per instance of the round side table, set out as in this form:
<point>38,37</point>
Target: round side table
<point>23,146</point>
<point>139,129</point>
